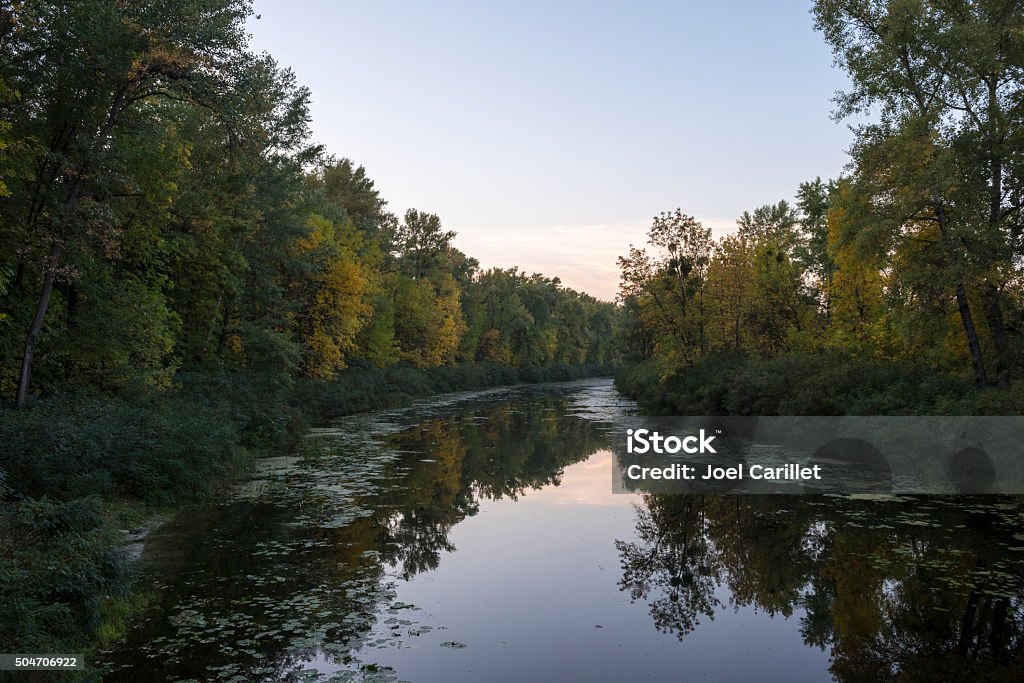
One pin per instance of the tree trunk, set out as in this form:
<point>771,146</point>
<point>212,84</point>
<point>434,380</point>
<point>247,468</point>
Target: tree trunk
<point>37,325</point>
<point>700,308</point>
<point>967,625</point>
<point>49,273</point>
<point>965,313</point>
<point>53,259</point>
<point>222,338</point>
<point>997,327</point>
<point>972,337</point>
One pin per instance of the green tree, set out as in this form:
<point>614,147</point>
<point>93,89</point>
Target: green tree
<point>88,68</point>
<point>813,200</point>
<point>945,81</point>
<point>422,246</point>
<point>669,285</point>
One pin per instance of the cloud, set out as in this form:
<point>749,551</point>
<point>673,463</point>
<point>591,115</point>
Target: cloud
<point>584,257</point>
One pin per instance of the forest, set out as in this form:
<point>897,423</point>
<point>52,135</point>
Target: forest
<point>165,209</point>
<point>188,280</point>
<point>894,289</point>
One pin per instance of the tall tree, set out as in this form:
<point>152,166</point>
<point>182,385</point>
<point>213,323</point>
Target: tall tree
<point>945,79</point>
<point>87,67</point>
<point>813,199</point>
<point>670,282</point>
<point>422,245</point>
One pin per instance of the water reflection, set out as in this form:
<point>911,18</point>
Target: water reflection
<point>297,571</point>
<point>488,522</point>
<point>449,464</point>
<point>907,589</point>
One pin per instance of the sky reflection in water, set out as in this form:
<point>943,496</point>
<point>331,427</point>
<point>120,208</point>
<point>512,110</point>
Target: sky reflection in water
<point>476,537</point>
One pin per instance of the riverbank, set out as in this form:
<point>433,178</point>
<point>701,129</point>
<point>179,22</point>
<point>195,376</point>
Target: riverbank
<point>811,384</point>
<point>79,469</point>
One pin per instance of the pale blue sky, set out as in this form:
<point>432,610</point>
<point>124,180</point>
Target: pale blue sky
<point>547,134</point>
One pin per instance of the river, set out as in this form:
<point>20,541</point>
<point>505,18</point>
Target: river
<point>476,537</point>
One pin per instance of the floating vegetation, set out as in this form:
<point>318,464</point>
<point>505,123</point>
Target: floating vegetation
<point>296,576</point>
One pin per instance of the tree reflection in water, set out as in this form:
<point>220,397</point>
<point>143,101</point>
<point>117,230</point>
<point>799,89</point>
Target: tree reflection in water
<point>301,573</point>
<point>671,565</point>
<point>260,590</point>
<point>914,589</point>
<point>501,452</point>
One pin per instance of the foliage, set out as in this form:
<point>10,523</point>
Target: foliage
<point>939,166</point>
<point>186,279</point>
<point>747,292</point>
<point>826,383</point>
<point>905,273</point>
<point>57,566</point>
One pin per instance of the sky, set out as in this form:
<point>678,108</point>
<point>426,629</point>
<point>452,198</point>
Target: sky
<point>548,134</point>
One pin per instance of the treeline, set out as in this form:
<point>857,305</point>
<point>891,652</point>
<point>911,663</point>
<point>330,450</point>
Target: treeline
<point>908,268</point>
<point>164,208</point>
<point>186,280</point>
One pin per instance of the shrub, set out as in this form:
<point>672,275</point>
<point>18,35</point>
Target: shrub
<point>58,562</point>
<point>806,384</point>
<point>158,450</point>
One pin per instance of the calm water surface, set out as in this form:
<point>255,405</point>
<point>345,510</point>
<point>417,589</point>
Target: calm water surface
<point>475,537</point>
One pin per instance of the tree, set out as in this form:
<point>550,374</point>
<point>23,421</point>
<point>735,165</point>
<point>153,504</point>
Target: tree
<point>813,200</point>
<point>428,319</point>
<point>670,284</point>
<point>855,288</point>
<point>774,225</point>
<point>781,308</point>
<point>421,245</point>
<point>347,186</point>
<point>945,80</point>
<point>87,67</point>
<point>335,296</point>
<point>730,293</point>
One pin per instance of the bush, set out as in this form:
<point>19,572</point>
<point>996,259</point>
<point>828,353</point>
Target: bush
<point>819,384</point>
<point>62,569</point>
<point>58,562</point>
<point>157,450</point>
<point>61,563</point>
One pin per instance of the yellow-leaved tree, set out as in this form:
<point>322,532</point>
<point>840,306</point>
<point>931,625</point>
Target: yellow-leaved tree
<point>855,291</point>
<point>335,295</point>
